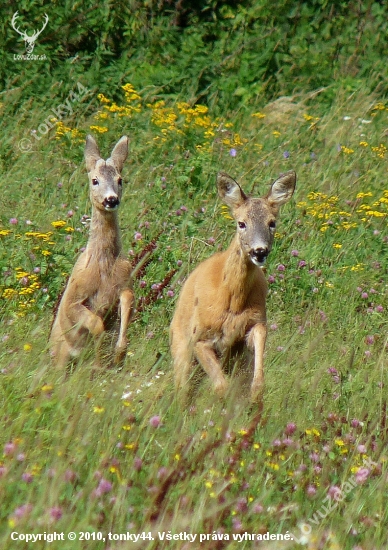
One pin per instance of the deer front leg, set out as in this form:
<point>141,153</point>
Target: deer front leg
<point>125,309</point>
<point>205,355</point>
<point>256,340</point>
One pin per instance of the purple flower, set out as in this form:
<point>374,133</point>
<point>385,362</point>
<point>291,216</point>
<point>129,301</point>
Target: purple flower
<point>379,309</point>
<point>233,152</point>
<point>362,475</point>
<point>27,477</point>
<point>290,428</point>
<point>257,508</point>
<point>170,293</point>
<point>13,221</point>
<point>104,486</point>
<point>294,252</point>
<point>369,340</point>
<point>60,185</point>
<point>302,263</point>
<point>155,421</point>
<point>271,279</point>
<point>281,267</point>
<point>364,295</point>
<point>179,263</point>
<point>55,513</point>
<point>314,457</point>
<point>9,448</point>
<point>355,423</point>
<point>22,511</point>
<point>142,284</point>
<point>138,236</point>
<point>333,491</point>
<point>311,490</point>
<point>137,463</point>
<point>361,449</point>
<point>286,154</point>
<point>274,326</point>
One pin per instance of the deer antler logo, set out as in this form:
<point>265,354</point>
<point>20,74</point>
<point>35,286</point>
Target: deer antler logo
<point>29,40</point>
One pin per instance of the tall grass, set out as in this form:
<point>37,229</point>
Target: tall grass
<point>115,453</point>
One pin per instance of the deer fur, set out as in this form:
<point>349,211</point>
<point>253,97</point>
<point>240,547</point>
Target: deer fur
<point>99,291</point>
<point>222,305</point>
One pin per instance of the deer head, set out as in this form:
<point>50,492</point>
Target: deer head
<point>105,175</point>
<point>29,40</point>
<point>256,218</point>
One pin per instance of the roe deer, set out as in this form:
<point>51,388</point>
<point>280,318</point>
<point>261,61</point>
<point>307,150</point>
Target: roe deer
<point>222,303</point>
<point>99,288</point>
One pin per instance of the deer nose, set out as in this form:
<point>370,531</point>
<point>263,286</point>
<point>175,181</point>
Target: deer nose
<point>259,255</point>
<point>111,202</point>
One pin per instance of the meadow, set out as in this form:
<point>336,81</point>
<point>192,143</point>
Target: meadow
<point>116,454</point>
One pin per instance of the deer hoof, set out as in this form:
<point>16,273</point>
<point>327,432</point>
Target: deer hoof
<point>257,393</point>
<point>119,355</point>
<point>221,387</point>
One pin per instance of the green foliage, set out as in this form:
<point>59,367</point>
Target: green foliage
<point>190,84</point>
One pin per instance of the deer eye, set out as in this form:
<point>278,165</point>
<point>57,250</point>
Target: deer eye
<point>272,225</point>
<point>242,225</point>
<point>120,181</point>
<point>95,181</point>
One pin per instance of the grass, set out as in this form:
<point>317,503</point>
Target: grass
<point>116,454</point>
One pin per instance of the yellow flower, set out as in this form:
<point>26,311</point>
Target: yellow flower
<point>47,388</point>
<point>339,442</point>
<point>4,232</point>
<point>27,347</point>
<point>259,115</point>
<point>58,223</point>
<point>99,129</point>
<point>337,245</point>
<point>98,410</point>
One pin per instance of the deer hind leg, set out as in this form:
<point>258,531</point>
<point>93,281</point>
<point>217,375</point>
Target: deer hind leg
<point>206,356</point>
<point>182,360</point>
<point>125,309</point>
<point>256,340</point>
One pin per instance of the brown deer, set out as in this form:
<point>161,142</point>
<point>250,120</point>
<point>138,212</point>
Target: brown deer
<point>98,292</point>
<point>221,310</point>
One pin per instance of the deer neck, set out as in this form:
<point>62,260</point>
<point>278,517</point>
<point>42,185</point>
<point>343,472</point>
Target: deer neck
<point>239,275</point>
<point>104,239</point>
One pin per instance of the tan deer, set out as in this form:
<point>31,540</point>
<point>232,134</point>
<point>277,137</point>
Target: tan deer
<point>222,306</point>
<point>99,292</point>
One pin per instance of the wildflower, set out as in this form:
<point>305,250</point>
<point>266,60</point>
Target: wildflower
<point>302,263</point>
<point>27,477</point>
<point>333,491</point>
<point>137,464</point>
<point>138,236</point>
<point>294,253</point>
<point>274,326</point>
<point>286,154</point>
<point>361,449</point>
<point>311,490</point>
<point>27,347</point>
<point>55,513</point>
<point>233,152</point>
<point>98,410</point>
<point>9,448</point>
<point>58,224</point>
<point>281,267</point>
<point>155,421</point>
<point>13,221</point>
<point>290,428</point>
<point>369,340</point>
<point>362,475</point>
<point>104,487</point>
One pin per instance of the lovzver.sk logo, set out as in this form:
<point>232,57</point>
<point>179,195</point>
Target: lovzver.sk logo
<point>29,40</point>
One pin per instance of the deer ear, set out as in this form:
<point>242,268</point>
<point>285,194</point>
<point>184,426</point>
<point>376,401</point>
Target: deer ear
<point>230,191</point>
<point>282,189</point>
<point>92,153</point>
<point>120,153</point>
